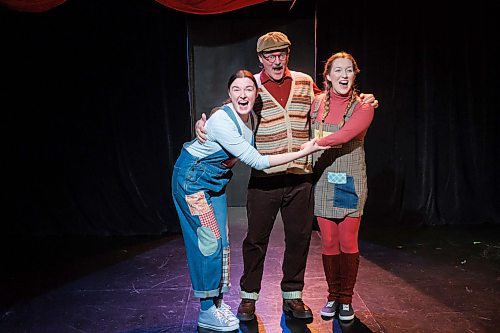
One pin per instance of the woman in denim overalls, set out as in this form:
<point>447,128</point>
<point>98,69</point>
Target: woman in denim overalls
<point>199,180</point>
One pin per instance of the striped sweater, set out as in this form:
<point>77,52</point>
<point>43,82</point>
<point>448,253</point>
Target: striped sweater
<point>281,130</point>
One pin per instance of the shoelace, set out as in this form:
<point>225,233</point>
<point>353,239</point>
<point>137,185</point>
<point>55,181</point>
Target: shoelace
<point>220,316</point>
<point>226,310</point>
<point>330,304</point>
<point>345,307</point>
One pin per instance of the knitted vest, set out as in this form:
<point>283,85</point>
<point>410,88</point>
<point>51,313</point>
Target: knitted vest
<point>281,130</point>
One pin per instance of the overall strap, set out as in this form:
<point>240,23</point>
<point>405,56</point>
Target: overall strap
<point>252,121</point>
<point>231,115</point>
<point>317,103</point>
<point>351,110</point>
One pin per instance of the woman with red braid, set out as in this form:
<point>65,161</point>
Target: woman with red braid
<point>340,121</point>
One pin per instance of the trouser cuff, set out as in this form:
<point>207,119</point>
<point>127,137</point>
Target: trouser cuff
<point>244,294</point>
<point>206,294</point>
<point>291,294</point>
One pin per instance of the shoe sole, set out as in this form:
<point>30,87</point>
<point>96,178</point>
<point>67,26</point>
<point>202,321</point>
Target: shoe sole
<point>245,317</point>
<point>344,318</point>
<point>328,314</point>
<point>219,328</point>
<point>301,316</point>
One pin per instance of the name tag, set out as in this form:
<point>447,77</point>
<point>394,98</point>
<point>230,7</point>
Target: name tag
<point>325,133</point>
<point>317,136</point>
<point>337,177</point>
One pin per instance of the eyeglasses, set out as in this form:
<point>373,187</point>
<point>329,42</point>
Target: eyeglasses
<point>272,57</point>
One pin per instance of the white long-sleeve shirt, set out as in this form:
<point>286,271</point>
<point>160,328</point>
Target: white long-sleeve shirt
<point>223,133</point>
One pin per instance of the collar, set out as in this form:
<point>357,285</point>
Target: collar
<point>335,96</point>
<point>264,78</point>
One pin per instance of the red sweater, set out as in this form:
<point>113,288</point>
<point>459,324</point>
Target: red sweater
<point>355,127</point>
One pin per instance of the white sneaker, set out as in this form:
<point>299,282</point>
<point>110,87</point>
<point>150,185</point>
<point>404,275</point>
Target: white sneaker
<point>226,310</point>
<point>215,319</point>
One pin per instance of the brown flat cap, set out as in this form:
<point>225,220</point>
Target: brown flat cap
<point>271,41</point>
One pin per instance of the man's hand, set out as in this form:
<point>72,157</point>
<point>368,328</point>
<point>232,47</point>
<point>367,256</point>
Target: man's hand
<point>368,99</point>
<point>199,127</point>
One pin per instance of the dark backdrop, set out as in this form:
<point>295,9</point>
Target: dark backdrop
<point>432,150</point>
<point>95,104</point>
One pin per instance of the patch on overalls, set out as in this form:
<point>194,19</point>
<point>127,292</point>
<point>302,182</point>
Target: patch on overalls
<point>207,243</point>
<point>197,203</point>
<point>208,220</point>
<point>226,278</point>
<point>208,233</point>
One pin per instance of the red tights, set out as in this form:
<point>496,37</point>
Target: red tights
<point>339,234</point>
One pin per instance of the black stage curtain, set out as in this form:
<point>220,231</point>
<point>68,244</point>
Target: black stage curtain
<point>95,107</point>
<point>432,150</point>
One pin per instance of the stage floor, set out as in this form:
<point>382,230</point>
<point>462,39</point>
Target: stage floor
<point>434,279</point>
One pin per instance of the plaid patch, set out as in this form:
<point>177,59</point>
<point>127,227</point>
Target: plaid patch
<point>208,220</point>
<point>225,279</point>
<point>337,177</point>
<point>197,203</point>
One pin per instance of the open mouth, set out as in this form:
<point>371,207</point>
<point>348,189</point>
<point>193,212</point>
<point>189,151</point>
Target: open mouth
<point>243,103</point>
<point>344,83</point>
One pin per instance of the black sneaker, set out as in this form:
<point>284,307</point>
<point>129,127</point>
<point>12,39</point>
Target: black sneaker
<point>329,309</point>
<point>346,312</point>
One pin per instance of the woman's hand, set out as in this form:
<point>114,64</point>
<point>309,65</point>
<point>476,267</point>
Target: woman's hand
<point>311,146</point>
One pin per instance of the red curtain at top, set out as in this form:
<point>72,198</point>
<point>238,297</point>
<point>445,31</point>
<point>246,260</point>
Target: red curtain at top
<point>208,6</point>
<point>187,6</point>
<point>33,6</point>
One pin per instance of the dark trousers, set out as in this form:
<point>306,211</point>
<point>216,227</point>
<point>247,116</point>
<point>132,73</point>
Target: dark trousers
<point>292,195</point>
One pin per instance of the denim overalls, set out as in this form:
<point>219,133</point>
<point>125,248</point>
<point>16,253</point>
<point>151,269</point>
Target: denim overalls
<point>198,190</point>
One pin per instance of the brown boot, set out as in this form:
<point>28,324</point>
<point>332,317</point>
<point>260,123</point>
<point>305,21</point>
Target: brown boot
<point>349,263</point>
<point>246,310</point>
<point>297,308</point>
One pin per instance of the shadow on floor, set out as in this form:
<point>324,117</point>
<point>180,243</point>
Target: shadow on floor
<point>424,279</point>
<point>33,266</point>
<point>467,245</point>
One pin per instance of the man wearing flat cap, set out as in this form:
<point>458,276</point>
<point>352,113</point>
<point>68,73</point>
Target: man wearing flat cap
<point>283,106</point>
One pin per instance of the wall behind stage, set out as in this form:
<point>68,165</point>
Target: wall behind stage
<point>432,149</point>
